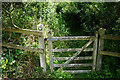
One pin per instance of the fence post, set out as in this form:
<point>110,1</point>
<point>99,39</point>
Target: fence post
<point>100,48</point>
<point>95,51</point>
<point>50,50</point>
<point>41,45</point>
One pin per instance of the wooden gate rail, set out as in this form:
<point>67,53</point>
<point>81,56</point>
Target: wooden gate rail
<point>76,58</point>
<point>77,71</point>
<point>73,65</point>
<point>71,49</point>
<point>70,38</point>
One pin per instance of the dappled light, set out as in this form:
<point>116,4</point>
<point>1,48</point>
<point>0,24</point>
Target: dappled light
<point>60,40</point>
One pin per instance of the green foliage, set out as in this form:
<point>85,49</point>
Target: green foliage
<point>61,74</point>
<point>64,19</point>
<point>118,73</point>
<point>110,68</point>
<point>101,74</point>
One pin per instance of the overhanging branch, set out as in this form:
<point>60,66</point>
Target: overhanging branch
<point>11,20</point>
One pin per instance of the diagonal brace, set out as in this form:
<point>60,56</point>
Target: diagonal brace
<point>77,53</point>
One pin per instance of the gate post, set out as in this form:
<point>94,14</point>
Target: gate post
<point>50,50</point>
<point>95,51</point>
<point>41,45</point>
<point>100,48</point>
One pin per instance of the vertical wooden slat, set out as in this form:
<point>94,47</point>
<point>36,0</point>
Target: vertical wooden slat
<point>95,50</point>
<point>50,50</point>
<point>101,45</point>
<point>41,45</point>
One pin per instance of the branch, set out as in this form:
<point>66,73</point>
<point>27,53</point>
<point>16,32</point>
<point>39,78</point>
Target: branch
<point>11,20</point>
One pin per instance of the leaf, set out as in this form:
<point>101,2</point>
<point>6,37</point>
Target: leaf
<point>6,61</point>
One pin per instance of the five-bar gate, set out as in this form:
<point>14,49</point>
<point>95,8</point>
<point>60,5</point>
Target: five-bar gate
<point>92,40</point>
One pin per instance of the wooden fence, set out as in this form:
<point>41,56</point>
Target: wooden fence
<point>41,47</point>
<point>102,36</point>
<point>97,40</point>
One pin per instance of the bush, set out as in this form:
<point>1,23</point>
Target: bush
<point>100,74</point>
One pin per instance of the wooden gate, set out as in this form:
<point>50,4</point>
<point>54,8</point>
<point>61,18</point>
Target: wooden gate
<point>74,57</point>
